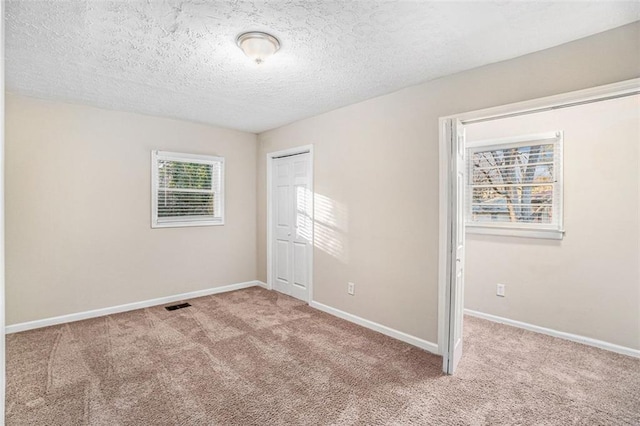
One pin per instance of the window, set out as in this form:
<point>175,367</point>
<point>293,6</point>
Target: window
<point>187,190</point>
<point>515,186</point>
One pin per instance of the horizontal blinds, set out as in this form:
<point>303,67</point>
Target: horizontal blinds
<point>514,183</point>
<point>188,189</point>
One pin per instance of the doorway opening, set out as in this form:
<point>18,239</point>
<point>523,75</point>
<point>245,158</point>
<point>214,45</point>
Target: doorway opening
<point>456,197</point>
<point>290,200</point>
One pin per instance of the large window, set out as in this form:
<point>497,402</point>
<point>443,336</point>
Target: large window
<point>187,190</point>
<point>515,186</point>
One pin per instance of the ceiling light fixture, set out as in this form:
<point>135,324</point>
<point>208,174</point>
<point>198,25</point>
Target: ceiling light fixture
<point>258,45</point>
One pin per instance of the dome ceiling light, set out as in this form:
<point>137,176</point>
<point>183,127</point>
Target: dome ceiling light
<point>258,46</point>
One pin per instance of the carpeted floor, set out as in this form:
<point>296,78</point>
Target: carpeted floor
<point>254,357</point>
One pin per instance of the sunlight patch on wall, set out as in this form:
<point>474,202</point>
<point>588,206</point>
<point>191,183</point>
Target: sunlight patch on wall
<point>331,226</point>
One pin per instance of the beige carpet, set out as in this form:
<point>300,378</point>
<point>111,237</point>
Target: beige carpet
<point>254,357</point>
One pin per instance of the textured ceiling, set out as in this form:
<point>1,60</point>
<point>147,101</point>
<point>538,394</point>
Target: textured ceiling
<point>179,58</point>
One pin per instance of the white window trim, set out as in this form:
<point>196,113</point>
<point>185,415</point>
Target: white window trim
<point>544,231</point>
<point>184,221</point>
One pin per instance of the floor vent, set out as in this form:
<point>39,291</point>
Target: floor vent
<point>174,307</point>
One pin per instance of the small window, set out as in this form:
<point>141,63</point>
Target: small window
<point>187,190</point>
<point>515,186</point>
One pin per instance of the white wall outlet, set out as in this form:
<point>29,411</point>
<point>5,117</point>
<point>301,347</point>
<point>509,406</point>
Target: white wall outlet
<point>351,288</point>
<point>500,290</point>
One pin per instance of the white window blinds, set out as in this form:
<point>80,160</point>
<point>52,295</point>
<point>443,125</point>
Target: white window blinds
<point>187,189</point>
<point>516,183</point>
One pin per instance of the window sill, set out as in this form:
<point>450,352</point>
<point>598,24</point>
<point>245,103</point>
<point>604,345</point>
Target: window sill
<point>548,234</point>
<point>186,224</point>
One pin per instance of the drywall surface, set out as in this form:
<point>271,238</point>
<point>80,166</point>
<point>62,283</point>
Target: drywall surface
<point>588,283</point>
<point>376,175</point>
<point>78,210</point>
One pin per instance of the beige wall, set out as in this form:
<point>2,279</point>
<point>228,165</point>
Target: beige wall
<point>78,210</point>
<point>588,283</point>
<point>376,173</point>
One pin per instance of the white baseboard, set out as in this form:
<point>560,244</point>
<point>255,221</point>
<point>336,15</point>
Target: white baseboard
<point>15,328</point>
<point>407,338</point>
<point>555,333</point>
<point>261,284</point>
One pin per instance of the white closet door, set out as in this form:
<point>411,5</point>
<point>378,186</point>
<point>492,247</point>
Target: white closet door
<point>292,203</point>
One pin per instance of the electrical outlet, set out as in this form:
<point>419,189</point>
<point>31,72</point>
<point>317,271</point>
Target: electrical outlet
<point>351,288</point>
<point>500,290</point>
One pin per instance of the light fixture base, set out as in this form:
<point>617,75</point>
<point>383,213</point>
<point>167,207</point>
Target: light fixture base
<point>258,45</point>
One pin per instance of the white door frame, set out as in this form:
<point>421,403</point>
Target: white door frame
<point>270,157</point>
<point>447,218</point>
<point>2,254</point>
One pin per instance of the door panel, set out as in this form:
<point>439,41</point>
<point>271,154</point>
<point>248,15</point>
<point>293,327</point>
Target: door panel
<point>282,207</point>
<point>282,169</point>
<point>300,264</point>
<point>282,254</point>
<point>293,225</point>
<point>300,166</point>
<point>455,291</point>
<point>303,213</point>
